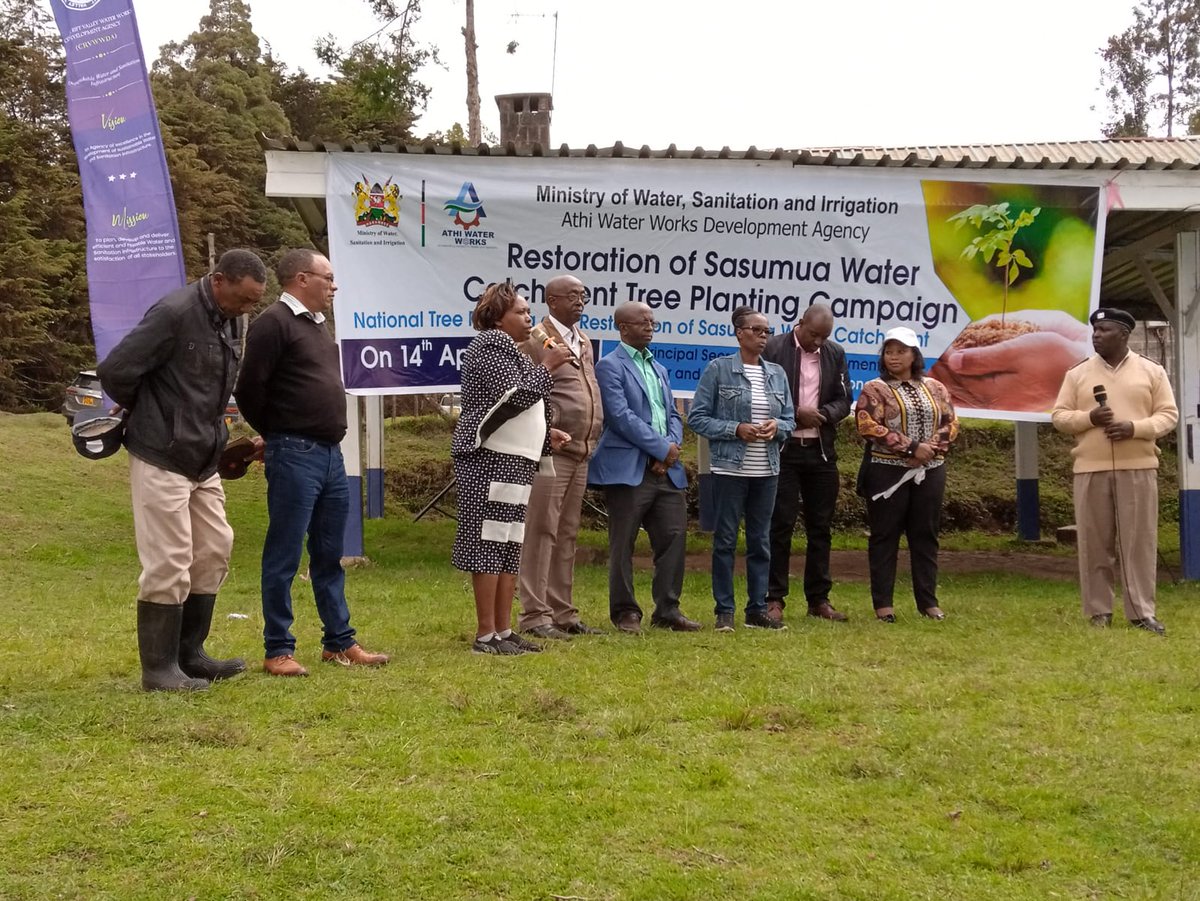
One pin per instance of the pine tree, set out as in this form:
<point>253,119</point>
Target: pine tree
<point>375,90</point>
<point>44,331</point>
<point>214,96</point>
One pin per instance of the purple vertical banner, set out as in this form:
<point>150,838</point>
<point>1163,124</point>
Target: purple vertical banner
<point>133,252</point>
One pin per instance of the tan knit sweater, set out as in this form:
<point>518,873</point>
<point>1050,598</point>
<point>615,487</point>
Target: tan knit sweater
<point>1138,391</point>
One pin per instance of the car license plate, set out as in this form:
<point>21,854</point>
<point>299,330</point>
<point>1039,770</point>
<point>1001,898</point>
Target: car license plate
<point>88,401</point>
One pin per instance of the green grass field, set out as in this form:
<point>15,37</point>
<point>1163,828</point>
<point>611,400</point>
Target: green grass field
<point>1009,752</point>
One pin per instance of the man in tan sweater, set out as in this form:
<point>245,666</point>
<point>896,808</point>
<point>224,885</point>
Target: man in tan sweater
<point>556,501</point>
<point>1117,404</point>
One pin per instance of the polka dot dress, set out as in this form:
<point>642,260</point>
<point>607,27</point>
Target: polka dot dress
<point>493,487</point>
<point>475,475</point>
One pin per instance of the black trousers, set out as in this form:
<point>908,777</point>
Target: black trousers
<point>914,510</point>
<point>660,508</point>
<point>803,476</point>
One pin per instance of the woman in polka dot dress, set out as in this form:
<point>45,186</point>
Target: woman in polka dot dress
<point>501,439</point>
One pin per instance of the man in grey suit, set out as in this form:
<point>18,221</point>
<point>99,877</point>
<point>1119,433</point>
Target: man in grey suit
<point>637,464</point>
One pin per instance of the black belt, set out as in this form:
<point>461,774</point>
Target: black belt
<point>806,442</point>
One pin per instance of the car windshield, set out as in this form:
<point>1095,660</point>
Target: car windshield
<point>87,382</point>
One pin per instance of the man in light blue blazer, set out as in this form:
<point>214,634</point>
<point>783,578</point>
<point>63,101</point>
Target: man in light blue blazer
<point>637,464</point>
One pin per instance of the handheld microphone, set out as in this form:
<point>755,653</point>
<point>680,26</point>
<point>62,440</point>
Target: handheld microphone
<point>550,342</point>
<point>1101,396</point>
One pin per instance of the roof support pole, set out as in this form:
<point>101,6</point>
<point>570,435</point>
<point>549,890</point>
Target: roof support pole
<point>352,456</point>
<point>374,410</point>
<point>1028,499</point>
<point>1187,331</point>
<point>1160,298</point>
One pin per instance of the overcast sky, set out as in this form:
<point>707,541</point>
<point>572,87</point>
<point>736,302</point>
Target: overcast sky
<point>770,74</point>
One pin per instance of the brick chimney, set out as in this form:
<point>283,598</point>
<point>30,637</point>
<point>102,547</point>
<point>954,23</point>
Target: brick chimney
<point>525,119</point>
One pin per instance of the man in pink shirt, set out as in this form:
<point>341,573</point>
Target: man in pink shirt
<point>820,384</point>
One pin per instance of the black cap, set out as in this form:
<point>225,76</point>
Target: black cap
<point>1110,314</point>
<point>100,437</point>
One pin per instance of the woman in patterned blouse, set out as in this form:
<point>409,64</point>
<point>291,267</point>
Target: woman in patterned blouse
<point>909,424</point>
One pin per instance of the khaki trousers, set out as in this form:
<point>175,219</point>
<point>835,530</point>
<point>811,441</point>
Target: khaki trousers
<point>548,556</point>
<point>1116,518</point>
<point>183,538</point>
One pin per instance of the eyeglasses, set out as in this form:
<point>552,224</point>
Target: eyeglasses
<point>583,294</point>
<point>328,278</point>
<point>759,330</point>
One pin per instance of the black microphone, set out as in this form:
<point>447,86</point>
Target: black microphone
<point>1101,395</point>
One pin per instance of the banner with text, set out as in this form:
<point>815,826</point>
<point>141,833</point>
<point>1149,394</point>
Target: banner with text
<point>997,279</point>
<point>133,252</point>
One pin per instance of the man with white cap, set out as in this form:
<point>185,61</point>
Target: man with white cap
<point>1117,404</point>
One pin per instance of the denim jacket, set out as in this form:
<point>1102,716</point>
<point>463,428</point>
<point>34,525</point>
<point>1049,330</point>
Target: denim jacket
<point>722,402</point>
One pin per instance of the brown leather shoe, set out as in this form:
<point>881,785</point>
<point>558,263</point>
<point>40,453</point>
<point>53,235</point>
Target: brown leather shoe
<point>676,622</point>
<point>826,611</point>
<point>630,623</point>
<point>775,609</point>
<point>355,655</point>
<point>283,665</point>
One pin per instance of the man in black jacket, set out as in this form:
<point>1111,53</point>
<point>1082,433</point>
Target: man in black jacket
<point>174,373</point>
<point>820,383</point>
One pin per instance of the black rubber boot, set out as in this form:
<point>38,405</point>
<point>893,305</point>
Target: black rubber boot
<point>197,619</point>
<point>158,646</point>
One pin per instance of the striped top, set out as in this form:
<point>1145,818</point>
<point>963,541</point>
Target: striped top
<point>756,463</point>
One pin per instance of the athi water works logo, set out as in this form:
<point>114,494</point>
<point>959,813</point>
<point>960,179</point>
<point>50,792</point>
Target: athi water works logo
<point>466,211</point>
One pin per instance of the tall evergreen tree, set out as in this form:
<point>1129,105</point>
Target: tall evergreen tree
<point>214,96</point>
<point>375,90</point>
<point>44,332</point>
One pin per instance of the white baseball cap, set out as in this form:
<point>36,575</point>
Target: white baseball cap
<point>903,334</point>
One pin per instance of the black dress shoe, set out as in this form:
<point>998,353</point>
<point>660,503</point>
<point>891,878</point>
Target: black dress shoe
<point>760,619</point>
<point>548,631</point>
<point>676,623</point>
<point>1150,624</point>
<point>933,613</point>
<point>630,623</point>
<point>886,618</point>
<point>580,628</point>
<point>1101,620</point>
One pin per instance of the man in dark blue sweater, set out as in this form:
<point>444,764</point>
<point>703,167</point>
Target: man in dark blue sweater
<point>290,390</point>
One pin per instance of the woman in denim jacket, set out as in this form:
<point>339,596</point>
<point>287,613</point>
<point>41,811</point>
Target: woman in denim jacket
<point>743,406</point>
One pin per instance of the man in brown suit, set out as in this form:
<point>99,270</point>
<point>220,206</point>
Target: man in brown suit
<point>552,517</point>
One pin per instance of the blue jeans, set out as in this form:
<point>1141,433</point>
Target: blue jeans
<point>735,497</point>
<point>306,493</point>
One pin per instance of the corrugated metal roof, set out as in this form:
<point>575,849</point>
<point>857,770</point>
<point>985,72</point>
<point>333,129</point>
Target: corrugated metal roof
<point>1138,245</point>
<point>1122,153</point>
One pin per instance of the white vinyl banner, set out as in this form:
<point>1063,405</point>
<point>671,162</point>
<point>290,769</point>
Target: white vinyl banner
<point>996,277</point>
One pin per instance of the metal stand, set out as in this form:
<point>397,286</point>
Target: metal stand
<point>433,503</point>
